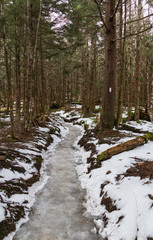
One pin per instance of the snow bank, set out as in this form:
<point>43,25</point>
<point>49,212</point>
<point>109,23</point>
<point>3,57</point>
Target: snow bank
<point>141,125</point>
<point>27,197</point>
<point>132,196</point>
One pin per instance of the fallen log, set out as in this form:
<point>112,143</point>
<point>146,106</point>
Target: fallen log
<point>126,146</point>
<point>131,128</point>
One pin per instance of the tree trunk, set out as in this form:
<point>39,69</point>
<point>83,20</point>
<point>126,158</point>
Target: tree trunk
<point>28,91</point>
<point>151,97</point>
<point>85,82</point>
<point>137,67</point>
<point>129,78</point>
<point>147,106</point>
<point>122,68</point>
<point>93,77</point>
<point>42,76</point>
<point>108,115</point>
<point>137,79</point>
<point>17,70</point>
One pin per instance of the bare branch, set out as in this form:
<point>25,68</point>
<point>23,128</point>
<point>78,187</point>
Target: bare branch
<point>135,20</point>
<point>134,34</point>
<point>84,16</point>
<point>100,13</point>
<point>139,18</point>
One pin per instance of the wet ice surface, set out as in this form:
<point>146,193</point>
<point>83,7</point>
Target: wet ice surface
<point>58,210</point>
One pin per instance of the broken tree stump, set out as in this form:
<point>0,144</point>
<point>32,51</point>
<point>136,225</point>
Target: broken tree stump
<point>126,146</point>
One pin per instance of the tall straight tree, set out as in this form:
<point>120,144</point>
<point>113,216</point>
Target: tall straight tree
<point>109,22</point>
<point>137,64</point>
<point>122,63</point>
<point>129,79</point>
<point>29,55</point>
<point>17,23</point>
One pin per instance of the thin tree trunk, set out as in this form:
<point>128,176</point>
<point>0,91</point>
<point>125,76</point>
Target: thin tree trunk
<point>43,84</point>
<point>147,106</point>
<point>28,91</point>
<point>151,100</point>
<point>93,73</point>
<point>37,31</point>
<point>137,67</point>
<point>122,68</point>
<point>85,82</point>
<point>17,70</point>
<point>129,78</point>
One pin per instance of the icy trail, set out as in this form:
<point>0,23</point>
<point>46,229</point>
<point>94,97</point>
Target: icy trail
<point>58,211</point>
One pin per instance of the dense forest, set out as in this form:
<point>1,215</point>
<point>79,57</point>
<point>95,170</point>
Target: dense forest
<point>59,52</point>
<point>76,119</point>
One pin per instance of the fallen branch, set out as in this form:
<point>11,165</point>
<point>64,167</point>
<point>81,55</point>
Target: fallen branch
<point>126,146</point>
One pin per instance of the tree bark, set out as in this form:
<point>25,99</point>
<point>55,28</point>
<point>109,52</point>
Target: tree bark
<point>93,72</point>
<point>129,78</point>
<point>137,68</point>
<point>108,115</point>
<point>151,97</point>
<point>85,81</point>
<point>17,70</point>
<point>43,82</point>
<point>122,68</point>
<point>29,67</point>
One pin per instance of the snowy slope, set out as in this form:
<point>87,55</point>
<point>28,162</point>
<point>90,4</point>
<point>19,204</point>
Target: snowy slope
<point>120,202</point>
<point>26,173</point>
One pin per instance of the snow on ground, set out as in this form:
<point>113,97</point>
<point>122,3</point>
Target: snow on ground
<point>77,118</point>
<point>7,175</point>
<point>142,125</point>
<point>27,197</point>
<point>122,205</point>
<point>2,211</point>
<point>79,106</point>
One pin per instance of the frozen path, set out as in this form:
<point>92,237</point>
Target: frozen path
<point>58,211</point>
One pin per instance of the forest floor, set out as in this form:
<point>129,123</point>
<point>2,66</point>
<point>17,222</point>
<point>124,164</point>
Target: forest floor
<point>118,191</point>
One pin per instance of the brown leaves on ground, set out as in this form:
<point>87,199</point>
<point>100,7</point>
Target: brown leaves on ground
<point>109,204</point>
<point>142,169</point>
<point>9,156</point>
